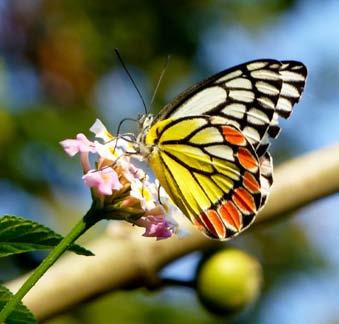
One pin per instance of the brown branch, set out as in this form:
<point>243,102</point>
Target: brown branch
<point>133,261</point>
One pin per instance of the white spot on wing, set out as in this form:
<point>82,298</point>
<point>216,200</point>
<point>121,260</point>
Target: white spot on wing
<point>256,65</point>
<point>265,187</point>
<point>265,140</point>
<point>234,123</point>
<point>242,95</point>
<point>266,166</point>
<point>236,110</point>
<point>289,90</point>
<point>251,134</point>
<point>291,76</point>
<point>230,76</point>
<point>265,75</point>
<point>239,83</point>
<point>218,120</point>
<point>266,88</point>
<point>201,102</point>
<point>275,119</point>
<point>266,102</point>
<point>284,104</point>
<point>221,151</point>
<point>257,117</point>
<point>297,67</point>
<point>275,66</point>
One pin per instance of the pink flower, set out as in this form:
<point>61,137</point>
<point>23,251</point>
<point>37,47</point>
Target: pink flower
<point>120,189</point>
<point>80,144</point>
<point>104,180</point>
<point>155,226</point>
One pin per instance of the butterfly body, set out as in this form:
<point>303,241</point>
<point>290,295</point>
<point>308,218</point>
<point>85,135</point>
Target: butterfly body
<point>208,147</point>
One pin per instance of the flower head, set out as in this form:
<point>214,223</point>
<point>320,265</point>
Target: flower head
<point>120,189</point>
<point>105,180</point>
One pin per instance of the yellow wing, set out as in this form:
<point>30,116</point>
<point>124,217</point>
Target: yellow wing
<point>210,171</point>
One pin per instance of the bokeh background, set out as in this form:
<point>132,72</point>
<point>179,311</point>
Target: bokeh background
<point>58,72</point>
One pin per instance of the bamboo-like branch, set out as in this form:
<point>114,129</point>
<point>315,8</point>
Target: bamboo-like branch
<point>133,261</point>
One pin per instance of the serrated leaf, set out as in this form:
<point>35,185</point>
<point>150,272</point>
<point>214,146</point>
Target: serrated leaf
<point>21,314</point>
<point>19,235</point>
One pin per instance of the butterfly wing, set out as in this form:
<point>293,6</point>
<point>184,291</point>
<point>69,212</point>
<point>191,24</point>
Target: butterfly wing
<point>250,96</point>
<point>210,143</point>
<point>210,170</point>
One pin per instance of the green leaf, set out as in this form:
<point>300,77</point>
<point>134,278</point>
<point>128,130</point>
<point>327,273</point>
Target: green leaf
<point>19,235</point>
<point>21,314</point>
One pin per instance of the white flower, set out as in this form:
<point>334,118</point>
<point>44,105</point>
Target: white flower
<point>101,131</point>
<point>145,192</point>
<point>109,151</point>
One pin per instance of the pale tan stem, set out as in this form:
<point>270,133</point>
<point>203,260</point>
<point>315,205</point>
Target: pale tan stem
<point>134,261</point>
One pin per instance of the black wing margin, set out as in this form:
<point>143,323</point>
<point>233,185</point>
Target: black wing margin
<point>249,96</point>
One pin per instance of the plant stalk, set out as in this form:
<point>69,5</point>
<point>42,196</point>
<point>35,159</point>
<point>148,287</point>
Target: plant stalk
<point>81,227</point>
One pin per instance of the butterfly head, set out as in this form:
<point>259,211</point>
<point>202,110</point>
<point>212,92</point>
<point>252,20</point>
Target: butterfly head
<point>145,121</point>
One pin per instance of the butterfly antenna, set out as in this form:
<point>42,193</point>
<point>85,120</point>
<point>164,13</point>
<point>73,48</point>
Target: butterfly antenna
<point>131,79</point>
<point>159,81</point>
<point>122,121</point>
<point>118,130</point>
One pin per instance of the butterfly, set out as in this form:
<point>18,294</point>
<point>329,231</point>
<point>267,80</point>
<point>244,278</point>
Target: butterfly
<point>209,146</point>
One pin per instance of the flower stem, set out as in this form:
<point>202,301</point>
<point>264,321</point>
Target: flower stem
<point>81,227</point>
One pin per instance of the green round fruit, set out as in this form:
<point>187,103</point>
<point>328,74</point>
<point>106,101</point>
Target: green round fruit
<point>228,281</point>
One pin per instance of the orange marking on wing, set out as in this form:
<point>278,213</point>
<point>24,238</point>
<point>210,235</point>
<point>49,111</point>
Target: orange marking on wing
<point>251,183</point>
<point>217,222</point>
<point>198,223</point>
<point>210,230</point>
<point>230,214</point>
<point>233,136</point>
<point>244,201</point>
<point>247,160</point>
<point>214,224</point>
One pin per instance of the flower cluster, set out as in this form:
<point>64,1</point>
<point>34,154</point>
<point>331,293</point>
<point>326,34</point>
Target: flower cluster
<point>122,191</point>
